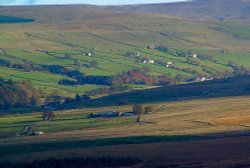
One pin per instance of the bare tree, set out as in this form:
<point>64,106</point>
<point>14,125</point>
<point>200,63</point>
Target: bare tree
<point>48,115</point>
<point>138,110</point>
<point>149,109</point>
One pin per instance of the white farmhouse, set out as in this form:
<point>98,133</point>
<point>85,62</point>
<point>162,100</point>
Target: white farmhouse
<point>151,61</point>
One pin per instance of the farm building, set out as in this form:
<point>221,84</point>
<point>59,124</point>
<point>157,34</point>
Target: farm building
<point>199,79</point>
<point>38,133</point>
<point>86,66</point>
<point>151,61</point>
<point>105,114</point>
<point>151,47</point>
<point>28,131</point>
<point>169,63</point>
<point>52,106</point>
<point>87,54</point>
<point>128,114</point>
<point>194,55</point>
<point>203,79</point>
<point>148,61</point>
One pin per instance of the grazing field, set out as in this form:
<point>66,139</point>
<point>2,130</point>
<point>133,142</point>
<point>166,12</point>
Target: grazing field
<point>109,36</point>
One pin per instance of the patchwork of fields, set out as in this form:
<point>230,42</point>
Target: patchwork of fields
<point>109,36</point>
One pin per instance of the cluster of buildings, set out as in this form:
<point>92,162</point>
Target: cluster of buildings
<point>150,61</point>
<point>110,114</point>
<point>87,54</point>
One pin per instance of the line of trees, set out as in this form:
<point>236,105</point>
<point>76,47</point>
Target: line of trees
<point>104,161</point>
<point>141,76</point>
<point>78,78</point>
<point>136,76</point>
<point>11,19</point>
<point>238,69</point>
<point>107,90</point>
<point>139,109</point>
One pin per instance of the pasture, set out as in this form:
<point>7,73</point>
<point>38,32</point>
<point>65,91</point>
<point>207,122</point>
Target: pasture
<point>110,35</point>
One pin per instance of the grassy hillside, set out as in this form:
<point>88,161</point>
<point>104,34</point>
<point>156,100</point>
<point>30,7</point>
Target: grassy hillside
<point>109,36</point>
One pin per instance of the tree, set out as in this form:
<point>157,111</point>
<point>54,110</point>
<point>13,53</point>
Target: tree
<point>162,48</point>
<point>67,56</point>
<point>48,115</point>
<point>85,97</point>
<point>93,64</point>
<point>138,118</point>
<point>68,100</point>
<point>33,100</point>
<point>138,109</point>
<point>132,54</point>
<point>149,109</point>
<point>78,63</point>
<point>78,98</point>
<point>181,78</point>
<point>17,94</point>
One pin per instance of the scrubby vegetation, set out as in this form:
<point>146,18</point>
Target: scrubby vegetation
<point>90,162</point>
<point>141,77</point>
<point>18,94</point>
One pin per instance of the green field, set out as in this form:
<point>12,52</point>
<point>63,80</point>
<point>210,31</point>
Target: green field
<point>110,36</point>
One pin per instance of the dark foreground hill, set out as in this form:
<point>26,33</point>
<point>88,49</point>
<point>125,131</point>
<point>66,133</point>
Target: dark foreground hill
<point>237,86</point>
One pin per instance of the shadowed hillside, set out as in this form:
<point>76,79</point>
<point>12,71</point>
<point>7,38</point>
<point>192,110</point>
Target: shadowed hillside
<point>219,88</point>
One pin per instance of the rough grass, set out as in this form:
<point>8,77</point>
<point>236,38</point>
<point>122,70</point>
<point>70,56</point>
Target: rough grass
<point>172,118</point>
<point>174,127</point>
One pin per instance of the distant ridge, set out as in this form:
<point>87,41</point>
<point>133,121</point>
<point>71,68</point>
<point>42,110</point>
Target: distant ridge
<point>197,9</point>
